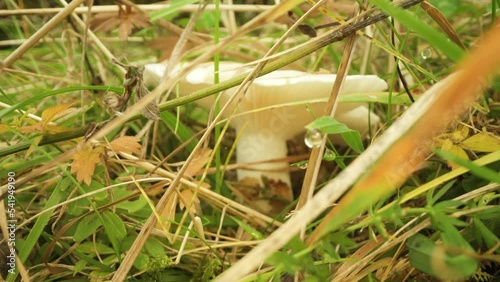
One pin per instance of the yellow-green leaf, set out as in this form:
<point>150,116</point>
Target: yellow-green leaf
<point>55,112</point>
<point>448,146</point>
<point>482,142</point>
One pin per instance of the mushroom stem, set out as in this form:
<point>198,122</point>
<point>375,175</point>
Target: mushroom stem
<point>265,147</point>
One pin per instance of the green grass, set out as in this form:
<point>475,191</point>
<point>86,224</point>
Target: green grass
<point>86,231</point>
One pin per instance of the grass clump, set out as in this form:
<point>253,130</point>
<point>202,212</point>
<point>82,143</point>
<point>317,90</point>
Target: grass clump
<point>99,194</point>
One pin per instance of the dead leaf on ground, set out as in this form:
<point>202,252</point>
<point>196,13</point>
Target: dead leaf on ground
<point>125,20</point>
<point>84,162</point>
<point>270,199</point>
<point>134,80</point>
<point>198,162</point>
<point>189,198</point>
<point>168,213</point>
<point>126,144</point>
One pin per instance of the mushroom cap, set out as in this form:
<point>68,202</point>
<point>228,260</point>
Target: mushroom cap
<point>275,92</point>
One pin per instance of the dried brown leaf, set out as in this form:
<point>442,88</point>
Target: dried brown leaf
<point>198,162</point>
<point>166,45</point>
<point>84,162</point>
<point>168,213</point>
<point>441,20</point>
<point>104,22</point>
<point>126,144</point>
<point>134,79</point>
<point>189,198</point>
<point>151,110</point>
<point>125,20</point>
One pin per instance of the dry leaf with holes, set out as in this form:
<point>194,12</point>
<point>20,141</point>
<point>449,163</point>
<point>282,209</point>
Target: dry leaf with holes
<point>125,20</point>
<point>126,144</point>
<point>84,162</point>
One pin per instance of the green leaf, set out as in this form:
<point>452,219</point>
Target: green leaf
<point>86,227</point>
<point>353,139</point>
<point>440,193</point>
<point>115,229</point>
<point>449,234</point>
<point>94,248</point>
<point>43,220</point>
<point>154,247</point>
<point>79,266</point>
<point>250,230</point>
<point>489,237</point>
<point>141,262</point>
<point>430,258</point>
<point>96,185</point>
<point>130,206</point>
<point>329,125</point>
<point>448,204</point>
<point>416,24</point>
<point>288,262</point>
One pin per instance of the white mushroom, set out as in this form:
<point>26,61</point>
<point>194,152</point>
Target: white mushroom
<point>263,133</point>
